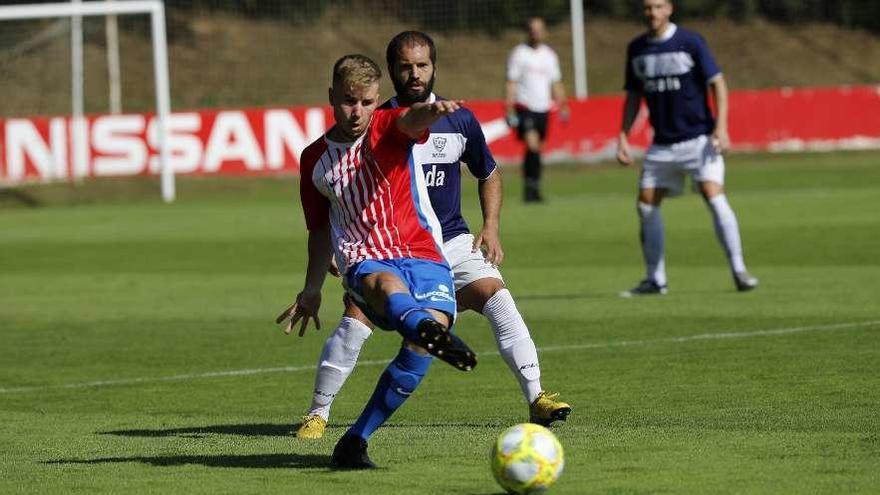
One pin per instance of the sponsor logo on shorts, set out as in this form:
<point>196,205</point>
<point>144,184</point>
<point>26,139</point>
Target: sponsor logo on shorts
<point>442,294</point>
<point>435,296</point>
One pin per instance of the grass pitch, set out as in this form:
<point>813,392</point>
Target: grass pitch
<point>138,354</point>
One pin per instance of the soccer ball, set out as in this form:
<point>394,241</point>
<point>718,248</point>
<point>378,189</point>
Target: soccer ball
<point>527,458</point>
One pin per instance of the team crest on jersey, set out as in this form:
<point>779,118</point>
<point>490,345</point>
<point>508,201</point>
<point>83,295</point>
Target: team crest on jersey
<point>439,144</point>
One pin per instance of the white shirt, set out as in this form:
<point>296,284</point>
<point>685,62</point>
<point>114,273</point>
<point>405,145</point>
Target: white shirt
<point>534,70</point>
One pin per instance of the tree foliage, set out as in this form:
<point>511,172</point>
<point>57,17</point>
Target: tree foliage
<point>495,15</point>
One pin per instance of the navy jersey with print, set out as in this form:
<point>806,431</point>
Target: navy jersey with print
<point>673,74</point>
<point>454,138</point>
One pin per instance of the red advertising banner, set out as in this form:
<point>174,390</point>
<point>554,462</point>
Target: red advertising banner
<point>270,140</point>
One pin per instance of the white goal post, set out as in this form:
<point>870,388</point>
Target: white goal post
<point>156,10</point>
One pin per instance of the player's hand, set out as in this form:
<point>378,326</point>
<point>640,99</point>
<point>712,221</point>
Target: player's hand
<point>624,157</point>
<point>305,307</point>
<point>445,107</point>
<point>333,269</point>
<point>721,140</point>
<point>512,119</point>
<point>489,241</point>
<point>564,115</point>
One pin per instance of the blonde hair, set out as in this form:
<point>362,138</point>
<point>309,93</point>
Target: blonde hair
<point>356,71</point>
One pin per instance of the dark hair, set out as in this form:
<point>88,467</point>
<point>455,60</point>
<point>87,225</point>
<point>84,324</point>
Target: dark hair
<point>409,38</point>
<point>356,70</point>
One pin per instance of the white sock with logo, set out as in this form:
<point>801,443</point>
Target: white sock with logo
<point>727,229</point>
<point>514,342</point>
<point>340,353</point>
<point>652,237</point>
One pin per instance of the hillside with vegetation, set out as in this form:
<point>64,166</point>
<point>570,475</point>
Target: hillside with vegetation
<point>227,59</point>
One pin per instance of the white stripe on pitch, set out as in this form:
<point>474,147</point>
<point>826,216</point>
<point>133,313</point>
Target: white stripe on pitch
<point>382,362</point>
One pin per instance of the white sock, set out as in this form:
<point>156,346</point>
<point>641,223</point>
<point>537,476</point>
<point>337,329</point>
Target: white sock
<point>727,229</point>
<point>652,237</point>
<point>338,358</point>
<point>514,342</point>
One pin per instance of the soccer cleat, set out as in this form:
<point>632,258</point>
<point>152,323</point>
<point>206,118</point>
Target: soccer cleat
<point>351,453</point>
<point>744,282</point>
<point>547,408</point>
<point>312,427</point>
<point>440,342</point>
<point>646,287</point>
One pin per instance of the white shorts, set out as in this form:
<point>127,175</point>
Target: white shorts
<point>666,165</point>
<point>467,265</point>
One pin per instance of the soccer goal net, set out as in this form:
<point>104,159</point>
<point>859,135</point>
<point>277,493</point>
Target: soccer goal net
<point>75,99</point>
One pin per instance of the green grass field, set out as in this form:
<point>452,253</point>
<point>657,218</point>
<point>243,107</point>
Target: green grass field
<point>138,352</point>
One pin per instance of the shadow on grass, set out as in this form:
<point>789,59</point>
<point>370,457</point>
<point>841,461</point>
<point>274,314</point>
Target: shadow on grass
<point>18,197</point>
<point>258,461</point>
<point>247,430</point>
<point>272,430</point>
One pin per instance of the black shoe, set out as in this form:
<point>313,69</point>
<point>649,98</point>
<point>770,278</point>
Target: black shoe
<point>447,346</point>
<point>646,287</point>
<point>533,196</point>
<point>744,282</point>
<point>351,453</point>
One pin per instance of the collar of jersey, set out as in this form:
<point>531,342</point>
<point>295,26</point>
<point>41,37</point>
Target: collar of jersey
<point>670,32</point>
<point>347,143</point>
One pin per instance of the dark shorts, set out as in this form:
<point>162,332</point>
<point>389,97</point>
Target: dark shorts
<point>430,283</point>
<point>529,120</point>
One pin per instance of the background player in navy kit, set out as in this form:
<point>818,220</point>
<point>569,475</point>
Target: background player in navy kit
<point>479,286</point>
<point>671,69</point>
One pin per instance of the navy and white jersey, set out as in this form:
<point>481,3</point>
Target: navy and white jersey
<point>673,73</point>
<point>454,138</point>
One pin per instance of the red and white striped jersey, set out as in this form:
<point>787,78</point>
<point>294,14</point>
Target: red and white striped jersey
<point>372,194</point>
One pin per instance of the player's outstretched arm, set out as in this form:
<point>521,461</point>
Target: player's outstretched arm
<point>308,302</point>
<point>420,116</point>
<point>630,110</point>
<point>490,203</point>
<point>509,104</point>
<point>561,101</point>
<point>720,138</point>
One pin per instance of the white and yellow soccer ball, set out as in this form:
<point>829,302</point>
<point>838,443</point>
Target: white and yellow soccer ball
<point>527,458</point>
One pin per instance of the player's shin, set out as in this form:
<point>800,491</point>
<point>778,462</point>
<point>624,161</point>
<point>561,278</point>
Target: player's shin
<point>397,383</point>
<point>338,359</point>
<point>514,342</point>
<point>652,238</point>
<point>727,229</point>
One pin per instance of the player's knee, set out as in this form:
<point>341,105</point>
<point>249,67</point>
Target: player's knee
<point>710,190</point>
<point>646,210</point>
<point>475,295</point>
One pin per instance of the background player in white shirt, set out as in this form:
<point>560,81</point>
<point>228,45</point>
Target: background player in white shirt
<point>534,85</point>
<point>479,286</point>
<point>672,69</point>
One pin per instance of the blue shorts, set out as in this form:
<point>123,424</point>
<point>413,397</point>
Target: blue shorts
<point>429,282</point>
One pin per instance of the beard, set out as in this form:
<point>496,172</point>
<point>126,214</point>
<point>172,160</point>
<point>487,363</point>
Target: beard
<point>413,95</point>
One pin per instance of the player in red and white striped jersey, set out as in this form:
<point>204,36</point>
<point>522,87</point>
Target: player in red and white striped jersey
<point>364,199</point>
<point>379,208</point>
